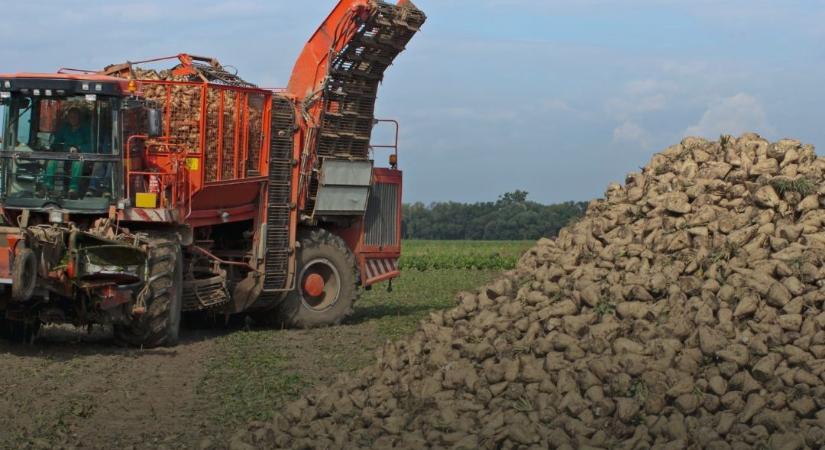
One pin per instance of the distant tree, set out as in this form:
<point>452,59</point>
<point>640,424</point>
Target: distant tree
<point>511,217</point>
<point>514,197</point>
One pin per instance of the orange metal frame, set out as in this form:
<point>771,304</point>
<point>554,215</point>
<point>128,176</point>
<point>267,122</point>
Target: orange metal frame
<point>354,236</point>
<point>365,252</point>
<point>168,157</point>
<point>9,237</point>
<point>307,79</point>
<point>311,67</point>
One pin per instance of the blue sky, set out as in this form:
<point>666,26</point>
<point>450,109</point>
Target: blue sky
<point>555,97</point>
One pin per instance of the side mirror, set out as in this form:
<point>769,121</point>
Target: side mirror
<point>154,125</point>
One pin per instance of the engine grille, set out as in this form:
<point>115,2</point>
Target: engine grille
<point>382,216</point>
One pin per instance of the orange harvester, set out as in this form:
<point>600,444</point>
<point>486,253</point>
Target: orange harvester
<point>132,194</point>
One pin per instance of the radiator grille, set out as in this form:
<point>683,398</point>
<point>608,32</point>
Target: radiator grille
<point>382,216</point>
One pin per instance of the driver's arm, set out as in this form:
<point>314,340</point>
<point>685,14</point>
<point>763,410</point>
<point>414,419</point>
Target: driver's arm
<point>59,143</point>
<point>84,141</point>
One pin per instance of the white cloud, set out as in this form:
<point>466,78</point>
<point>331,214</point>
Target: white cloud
<point>631,132</point>
<point>732,115</point>
<point>622,108</point>
<point>641,96</point>
<point>468,113</point>
<point>650,86</point>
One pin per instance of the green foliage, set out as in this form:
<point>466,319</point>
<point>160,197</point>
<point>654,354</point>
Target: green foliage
<point>247,376</point>
<point>638,390</point>
<point>803,186</point>
<point>512,217</point>
<point>472,255</point>
<point>415,294</point>
<point>605,307</point>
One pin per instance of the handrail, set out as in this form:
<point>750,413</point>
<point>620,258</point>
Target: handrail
<point>172,174</point>
<point>65,70</point>
<point>393,146</point>
<point>128,165</point>
<point>397,129</point>
<point>59,156</point>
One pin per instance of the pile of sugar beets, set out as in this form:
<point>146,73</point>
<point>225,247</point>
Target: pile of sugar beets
<point>685,310</point>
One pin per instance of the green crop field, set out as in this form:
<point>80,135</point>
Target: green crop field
<point>432,273</point>
<point>470,255</point>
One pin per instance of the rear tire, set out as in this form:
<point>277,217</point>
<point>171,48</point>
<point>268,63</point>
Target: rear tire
<point>24,276</point>
<point>160,324</point>
<point>326,255</point>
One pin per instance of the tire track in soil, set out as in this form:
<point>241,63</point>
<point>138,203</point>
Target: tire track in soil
<point>73,390</point>
<point>70,390</point>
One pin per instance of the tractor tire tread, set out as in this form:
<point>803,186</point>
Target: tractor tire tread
<point>154,327</point>
<point>292,314</point>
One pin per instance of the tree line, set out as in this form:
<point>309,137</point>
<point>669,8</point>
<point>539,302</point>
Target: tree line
<point>511,217</point>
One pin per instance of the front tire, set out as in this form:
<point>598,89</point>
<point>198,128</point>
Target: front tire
<point>326,284</point>
<point>18,332</point>
<point>159,325</point>
<point>24,276</point>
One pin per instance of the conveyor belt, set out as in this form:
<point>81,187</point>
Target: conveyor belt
<point>354,75</point>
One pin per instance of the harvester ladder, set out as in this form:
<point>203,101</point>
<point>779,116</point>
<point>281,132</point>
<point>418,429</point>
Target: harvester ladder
<point>279,195</point>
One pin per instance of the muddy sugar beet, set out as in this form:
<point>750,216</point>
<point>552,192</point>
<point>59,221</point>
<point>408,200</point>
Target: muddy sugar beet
<point>684,310</point>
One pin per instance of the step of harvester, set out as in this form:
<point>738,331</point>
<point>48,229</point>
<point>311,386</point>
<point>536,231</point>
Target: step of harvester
<point>354,75</point>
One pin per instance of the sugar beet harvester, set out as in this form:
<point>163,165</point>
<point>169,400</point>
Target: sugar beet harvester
<point>130,196</point>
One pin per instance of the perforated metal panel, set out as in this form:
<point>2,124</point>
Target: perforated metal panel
<point>344,188</point>
<point>382,216</point>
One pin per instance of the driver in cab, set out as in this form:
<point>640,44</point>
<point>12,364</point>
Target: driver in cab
<point>73,136</point>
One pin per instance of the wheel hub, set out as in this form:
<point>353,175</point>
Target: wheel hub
<point>314,285</point>
<point>320,284</point>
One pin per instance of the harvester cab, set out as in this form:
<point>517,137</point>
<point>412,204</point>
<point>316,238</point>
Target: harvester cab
<point>62,143</point>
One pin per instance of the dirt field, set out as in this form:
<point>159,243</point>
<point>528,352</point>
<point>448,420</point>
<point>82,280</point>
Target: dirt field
<point>75,390</point>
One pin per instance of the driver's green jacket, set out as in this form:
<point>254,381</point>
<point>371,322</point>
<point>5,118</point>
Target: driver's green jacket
<point>67,137</point>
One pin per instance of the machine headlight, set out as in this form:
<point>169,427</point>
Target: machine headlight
<point>55,216</point>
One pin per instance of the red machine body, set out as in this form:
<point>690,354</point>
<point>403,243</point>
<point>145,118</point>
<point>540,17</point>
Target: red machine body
<point>246,177</point>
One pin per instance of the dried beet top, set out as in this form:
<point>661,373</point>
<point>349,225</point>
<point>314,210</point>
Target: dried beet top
<point>684,310</point>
